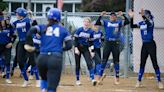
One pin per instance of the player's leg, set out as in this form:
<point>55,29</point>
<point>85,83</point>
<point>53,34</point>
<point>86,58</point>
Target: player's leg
<point>42,67</point>
<point>97,60</point>
<point>153,55</point>
<point>34,68</point>
<point>77,69</point>
<point>15,61</point>
<point>7,64</point>
<point>54,71</point>
<point>22,61</point>
<point>115,53</point>
<point>106,53</point>
<point>144,56</point>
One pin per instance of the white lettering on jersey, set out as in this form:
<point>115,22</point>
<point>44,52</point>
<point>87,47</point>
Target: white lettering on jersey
<point>143,27</point>
<point>51,32</point>
<point>112,25</point>
<point>97,36</point>
<point>20,25</point>
<point>86,35</point>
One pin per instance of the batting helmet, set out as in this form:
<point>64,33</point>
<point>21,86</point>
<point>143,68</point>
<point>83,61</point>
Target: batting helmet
<point>21,12</point>
<point>55,14</point>
<point>148,14</point>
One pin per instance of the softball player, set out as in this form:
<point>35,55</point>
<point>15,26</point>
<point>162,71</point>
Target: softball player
<point>49,61</point>
<point>83,36</point>
<point>97,42</point>
<point>7,38</point>
<point>112,33</point>
<point>149,46</point>
<point>22,26</point>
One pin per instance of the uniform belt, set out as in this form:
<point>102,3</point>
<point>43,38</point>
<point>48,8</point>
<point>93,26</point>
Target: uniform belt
<point>50,53</point>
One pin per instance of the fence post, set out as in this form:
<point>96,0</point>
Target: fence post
<point>64,53</point>
<point>126,58</point>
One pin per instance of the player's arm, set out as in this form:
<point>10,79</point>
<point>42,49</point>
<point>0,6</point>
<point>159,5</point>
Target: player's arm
<point>131,14</point>
<point>123,17</point>
<point>99,22</point>
<point>68,44</point>
<point>76,37</point>
<point>29,41</point>
<point>68,41</point>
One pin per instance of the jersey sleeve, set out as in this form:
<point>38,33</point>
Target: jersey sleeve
<point>40,28</point>
<point>67,35</point>
<point>77,32</point>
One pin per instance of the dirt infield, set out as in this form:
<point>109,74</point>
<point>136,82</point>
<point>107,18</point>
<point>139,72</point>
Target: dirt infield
<point>67,84</point>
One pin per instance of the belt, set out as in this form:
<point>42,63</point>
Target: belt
<point>50,53</point>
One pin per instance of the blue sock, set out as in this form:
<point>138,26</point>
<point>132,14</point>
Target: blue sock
<point>103,65</point>
<point>77,74</point>
<point>158,74</point>
<point>117,68</point>
<point>23,71</point>
<point>26,65</point>
<point>98,67</point>
<point>91,72</point>
<point>140,74</point>
<point>51,91</point>
<point>7,71</point>
<point>43,84</point>
<point>35,70</point>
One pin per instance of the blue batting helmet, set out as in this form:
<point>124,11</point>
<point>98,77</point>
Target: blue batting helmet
<point>21,12</point>
<point>55,14</point>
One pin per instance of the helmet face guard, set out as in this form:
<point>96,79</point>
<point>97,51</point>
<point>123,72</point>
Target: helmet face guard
<point>54,14</point>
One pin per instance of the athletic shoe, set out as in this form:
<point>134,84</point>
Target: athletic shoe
<point>94,82</point>
<point>160,85</point>
<point>8,81</point>
<point>37,83</point>
<point>25,84</point>
<point>116,81</point>
<point>78,83</point>
<point>139,84</point>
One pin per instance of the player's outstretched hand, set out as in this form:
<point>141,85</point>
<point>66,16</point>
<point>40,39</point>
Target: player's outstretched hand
<point>29,48</point>
<point>103,13</point>
<point>120,13</point>
<point>131,13</point>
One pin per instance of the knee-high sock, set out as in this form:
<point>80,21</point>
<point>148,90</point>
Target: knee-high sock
<point>117,68</point>
<point>23,72</point>
<point>140,74</point>
<point>7,71</point>
<point>51,91</point>
<point>35,70</point>
<point>158,74</point>
<point>98,68</point>
<point>103,65</point>
<point>77,74</point>
<point>43,84</point>
<point>91,72</point>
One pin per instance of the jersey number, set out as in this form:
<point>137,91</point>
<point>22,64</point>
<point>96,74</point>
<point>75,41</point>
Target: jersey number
<point>51,32</point>
<point>23,29</point>
<point>145,32</point>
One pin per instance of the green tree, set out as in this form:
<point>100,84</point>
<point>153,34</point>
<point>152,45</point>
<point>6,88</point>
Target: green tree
<point>103,5</point>
<point>3,5</point>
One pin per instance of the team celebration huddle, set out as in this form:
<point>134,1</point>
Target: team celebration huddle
<point>40,47</point>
